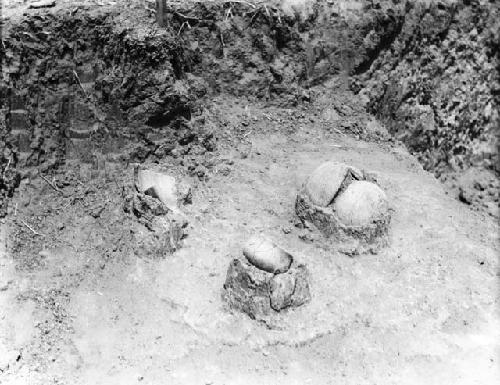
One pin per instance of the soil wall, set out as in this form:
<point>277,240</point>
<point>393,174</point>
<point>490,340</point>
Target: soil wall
<point>82,82</point>
<point>436,85</point>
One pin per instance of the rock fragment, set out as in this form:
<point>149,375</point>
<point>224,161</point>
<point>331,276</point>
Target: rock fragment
<point>247,289</point>
<point>290,289</point>
<point>162,231</point>
<point>265,255</point>
<point>147,207</point>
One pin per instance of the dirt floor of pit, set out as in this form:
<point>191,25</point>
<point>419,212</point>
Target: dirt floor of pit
<point>81,305</point>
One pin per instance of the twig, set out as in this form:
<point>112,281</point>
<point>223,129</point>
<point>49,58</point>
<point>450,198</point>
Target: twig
<point>247,133</point>
<point>66,205</point>
<point>222,39</point>
<point>95,110</point>
<point>267,11</point>
<point>31,228</point>
<point>186,17</point>
<point>52,184</point>
<point>182,26</point>
<point>229,13</point>
<point>80,83</point>
<point>7,167</point>
<point>255,14</point>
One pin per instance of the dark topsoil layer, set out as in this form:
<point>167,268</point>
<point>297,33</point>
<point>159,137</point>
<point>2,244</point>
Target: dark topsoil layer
<point>82,83</point>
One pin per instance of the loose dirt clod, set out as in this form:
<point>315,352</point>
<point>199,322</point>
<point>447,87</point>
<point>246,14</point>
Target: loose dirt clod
<point>351,210</point>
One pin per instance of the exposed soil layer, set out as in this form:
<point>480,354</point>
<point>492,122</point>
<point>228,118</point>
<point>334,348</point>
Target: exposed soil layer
<point>436,85</point>
<point>87,80</point>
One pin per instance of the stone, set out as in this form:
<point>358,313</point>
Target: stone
<point>301,293</point>
<point>247,289</point>
<point>170,232</point>
<point>265,255</point>
<point>146,207</point>
<point>290,289</point>
<point>281,290</point>
<point>161,239</point>
<point>360,204</point>
<point>260,294</point>
<point>326,180</point>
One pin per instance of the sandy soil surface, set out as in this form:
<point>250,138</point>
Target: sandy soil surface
<point>81,304</point>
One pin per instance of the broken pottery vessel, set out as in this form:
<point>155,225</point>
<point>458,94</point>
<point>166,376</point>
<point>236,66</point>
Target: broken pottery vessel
<point>163,187</point>
<point>155,206</point>
<point>266,282</point>
<point>347,205</point>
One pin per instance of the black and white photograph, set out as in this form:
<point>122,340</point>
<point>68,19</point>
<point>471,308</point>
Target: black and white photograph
<point>250,192</point>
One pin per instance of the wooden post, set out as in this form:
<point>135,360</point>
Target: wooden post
<point>161,5</point>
